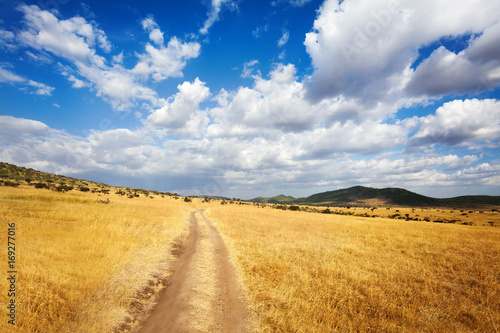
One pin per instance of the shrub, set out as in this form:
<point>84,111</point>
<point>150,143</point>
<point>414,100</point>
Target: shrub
<point>84,189</point>
<point>9,183</point>
<point>186,199</point>
<point>63,188</point>
<point>294,208</point>
<point>41,185</point>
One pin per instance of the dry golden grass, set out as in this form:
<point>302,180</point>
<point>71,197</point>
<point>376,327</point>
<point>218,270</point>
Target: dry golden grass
<point>310,272</point>
<point>84,266</point>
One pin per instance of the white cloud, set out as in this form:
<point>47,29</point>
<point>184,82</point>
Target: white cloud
<point>475,69</point>
<point>117,86</point>
<point>155,33</point>
<point>76,40</point>
<point>164,62</point>
<point>77,83</point>
<point>118,59</point>
<point>40,88</point>
<point>284,38</point>
<point>182,110</point>
<point>228,165</point>
<point>17,129</point>
<point>7,40</point>
<point>248,68</point>
<point>280,104</point>
<point>214,12</point>
<point>73,39</point>
<point>8,76</point>
<point>363,48</point>
<point>460,123</point>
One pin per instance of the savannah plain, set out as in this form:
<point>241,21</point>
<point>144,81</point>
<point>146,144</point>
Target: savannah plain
<point>85,265</point>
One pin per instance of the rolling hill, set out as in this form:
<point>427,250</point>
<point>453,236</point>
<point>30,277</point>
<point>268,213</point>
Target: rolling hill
<point>277,199</point>
<point>12,175</point>
<point>367,196</point>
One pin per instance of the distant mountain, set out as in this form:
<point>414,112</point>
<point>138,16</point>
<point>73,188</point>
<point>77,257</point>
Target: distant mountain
<point>367,196</point>
<point>277,199</point>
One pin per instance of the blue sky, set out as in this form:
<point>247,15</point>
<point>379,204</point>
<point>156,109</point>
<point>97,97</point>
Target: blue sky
<point>246,98</point>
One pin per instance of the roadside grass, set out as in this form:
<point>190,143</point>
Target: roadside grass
<point>331,273</point>
<point>84,266</point>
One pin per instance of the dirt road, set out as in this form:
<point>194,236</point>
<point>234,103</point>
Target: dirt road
<point>202,293</point>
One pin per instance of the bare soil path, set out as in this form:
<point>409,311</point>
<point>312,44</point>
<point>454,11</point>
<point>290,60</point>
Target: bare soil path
<point>178,308</point>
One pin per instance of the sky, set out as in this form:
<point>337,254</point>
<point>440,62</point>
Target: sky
<point>244,98</point>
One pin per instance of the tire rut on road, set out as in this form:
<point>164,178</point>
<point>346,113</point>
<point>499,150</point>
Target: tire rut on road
<point>176,308</point>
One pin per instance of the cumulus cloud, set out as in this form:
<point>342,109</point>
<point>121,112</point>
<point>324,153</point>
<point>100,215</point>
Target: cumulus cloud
<point>272,134</point>
<point>475,69</point>
<point>228,164</point>
<point>183,108</point>
<point>155,33</point>
<point>17,129</point>
<point>73,39</point>
<point>364,49</point>
<point>164,62</point>
<point>460,123</point>
<point>77,41</point>
<point>279,103</point>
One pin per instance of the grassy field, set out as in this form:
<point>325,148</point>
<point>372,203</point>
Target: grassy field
<point>307,272</point>
<point>84,266</point>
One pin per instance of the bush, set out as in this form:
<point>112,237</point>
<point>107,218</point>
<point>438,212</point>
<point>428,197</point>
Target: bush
<point>41,185</point>
<point>84,189</point>
<point>186,199</point>
<point>63,188</point>
<point>9,183</point>
<point>294,208</point>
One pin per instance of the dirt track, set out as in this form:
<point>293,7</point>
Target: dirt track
<point>202,260</point>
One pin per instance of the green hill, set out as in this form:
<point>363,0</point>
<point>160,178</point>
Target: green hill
<point>367,196</point>
<point>359,194</point>
<point>277,199</point>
